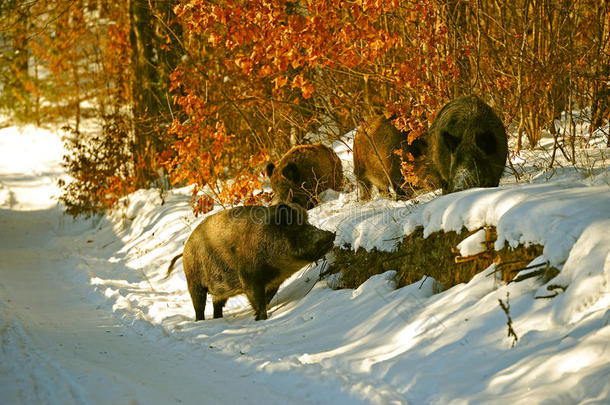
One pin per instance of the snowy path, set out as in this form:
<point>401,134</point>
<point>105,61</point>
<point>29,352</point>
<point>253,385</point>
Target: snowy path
<point>59,347</point>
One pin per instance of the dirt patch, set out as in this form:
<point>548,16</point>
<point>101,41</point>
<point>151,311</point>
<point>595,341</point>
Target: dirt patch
<point>435,256</point>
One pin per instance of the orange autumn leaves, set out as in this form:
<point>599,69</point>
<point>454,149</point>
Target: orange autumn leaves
<point>267,70</point>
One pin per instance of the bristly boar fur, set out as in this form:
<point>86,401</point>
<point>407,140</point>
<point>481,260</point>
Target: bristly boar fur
<point>465,147</point>
<point>468,145</point>
<point>304,172</point>
<point>249,250</point>
<point>377,164</point>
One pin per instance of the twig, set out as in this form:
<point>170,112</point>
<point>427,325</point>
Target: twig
<point>528,275</point>
<point>465,259</point>
<point>533,266</point>
<point>509,321</point>
<point>324,272</point>
<point>547,296</point>
<point>552,287</point>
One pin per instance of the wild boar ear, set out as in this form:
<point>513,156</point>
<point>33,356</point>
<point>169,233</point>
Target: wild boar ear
<point>269,168</point>
<point>418,147</point>
<point>291,172</point>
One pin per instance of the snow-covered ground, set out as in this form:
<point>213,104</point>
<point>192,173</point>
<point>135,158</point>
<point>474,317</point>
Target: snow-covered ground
<point>86,315</point>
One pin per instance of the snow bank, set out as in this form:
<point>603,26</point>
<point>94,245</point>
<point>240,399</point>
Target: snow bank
<point>550,214</point>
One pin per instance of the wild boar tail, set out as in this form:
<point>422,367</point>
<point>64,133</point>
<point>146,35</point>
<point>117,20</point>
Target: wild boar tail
<point>171,265</point>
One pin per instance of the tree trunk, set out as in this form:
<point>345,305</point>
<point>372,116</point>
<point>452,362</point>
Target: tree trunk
<point>145,97</point>
<point>156,51</point>
<point>20,62</point>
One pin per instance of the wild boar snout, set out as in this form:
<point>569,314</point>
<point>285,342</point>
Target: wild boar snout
<point>462,179</point>
<point>319,242</point>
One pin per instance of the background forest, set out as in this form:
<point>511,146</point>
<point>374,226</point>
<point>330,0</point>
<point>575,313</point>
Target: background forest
<point>204,92</point>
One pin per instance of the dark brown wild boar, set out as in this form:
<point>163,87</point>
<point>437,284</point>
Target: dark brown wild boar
<point>377,164</point>
<point>304,172</point>
<point>249,250</point>
<point>467,146</point>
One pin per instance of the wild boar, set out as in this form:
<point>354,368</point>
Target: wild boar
<point>376,162</point>
<point>467,145</point>
<point>304,172</point>
<point>249,250</point>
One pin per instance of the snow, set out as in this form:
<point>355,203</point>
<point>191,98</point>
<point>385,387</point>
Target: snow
<point>87,316</point>
<point>30,160</point>
<point>472,245</point>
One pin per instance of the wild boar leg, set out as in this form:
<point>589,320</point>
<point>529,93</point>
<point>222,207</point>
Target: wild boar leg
<point>256,295</point>
<point>270,293</point>
<point>218,303</point>
<point>199,295</point>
